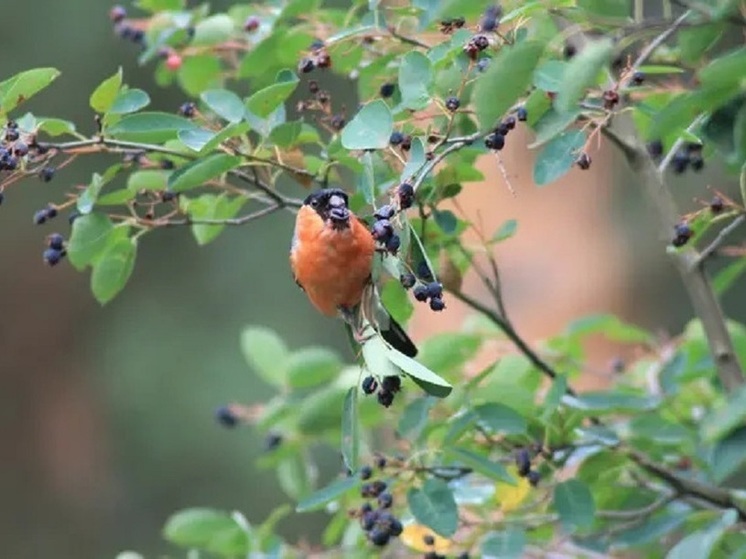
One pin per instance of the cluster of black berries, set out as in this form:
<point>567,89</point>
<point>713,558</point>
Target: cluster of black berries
<point>496,140</point>
<point>424,292</point>
<point>475,45</point>
<point>118,16</point>
<point>383,230</point>
<point>688,156</point>
<point>682,234</point>
<point>378,523</point>
<point>55,250</point>
<point>45,214</point>
<point>385,392</point>
<point>404,141</point>
<point>319,58</point>
<point>491,18</point>
<point>523,463</point>
<point>448,26</point>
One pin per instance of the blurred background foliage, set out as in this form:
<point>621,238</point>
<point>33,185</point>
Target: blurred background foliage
<point>106,415</point>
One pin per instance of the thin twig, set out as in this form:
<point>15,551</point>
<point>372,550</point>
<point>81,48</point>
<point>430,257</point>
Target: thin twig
<point>679,143</point>
<point>658,41</point>
<point>637,514</point>
<point>230,221</point>
<point>713,246</point>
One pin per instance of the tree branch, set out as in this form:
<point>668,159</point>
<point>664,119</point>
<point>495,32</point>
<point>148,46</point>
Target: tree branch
<point>715,244</point>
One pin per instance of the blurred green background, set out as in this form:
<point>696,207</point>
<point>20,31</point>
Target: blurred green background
<point>106,414</point>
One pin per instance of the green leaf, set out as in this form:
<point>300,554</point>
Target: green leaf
<point>207,529</point>
<point>212,207</point>
<point>424,377</point>
<point>508,544</point>
<point>199,171</point>
<point>415,76</point>
<point>729,455</point>
<point>350,431</point>
<point>500,419</point>
<point>558,157</point>
<point>723,420</point>
<point>113,268</point>
<point>446,220</point>
<point>370,128</point>
<point>582,72</point>
<point>197,139</point>
<point>88,239</point>
<point>160,5</point>
<point>396,301</point>
<point>198,73</point>
<point>21,87</point>
<point>150,127</point>
<point>506,79</point>
<point>225,104</point>
<point>434,506</point>
<point>693,42</point>
<point>481,464</point>
<point>607,9</point>
<point>611,327</point>
<point>88,197</point>
<point>415,160</point>
<point>507,230</point>
<point>702,542</point>
<point>329,493</point>
<point>449,351</point>
<point>366,180</point>
<point>129,101</point>
<point>414,417</point>
<point>573,502</point>
<point>213,30</point>
<point>724,69</point>
<point>375,355</point>
<point>548,76</point>
<point>551,124</point>
<point>554,396</point>
<point>609,401</point>
<point>265,101</point>
<point>312,366</point>
<point>286,135</point>
<point>56,126</point>
<point>728,276</point>
<point>266,353</point>
<point>148,179</point>
<point>103,96</point>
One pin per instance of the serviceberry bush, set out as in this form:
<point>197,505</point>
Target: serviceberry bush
<point>508,462</point>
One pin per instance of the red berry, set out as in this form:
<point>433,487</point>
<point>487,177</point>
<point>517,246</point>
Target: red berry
<point>173,62</point>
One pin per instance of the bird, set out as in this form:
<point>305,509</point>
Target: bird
<point>331,256</point>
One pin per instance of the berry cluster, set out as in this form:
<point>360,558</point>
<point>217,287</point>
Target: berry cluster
<point>321,102</point>
<point>318,58</point>
<point>378,523</point>
<point>386,391</point>
<point>688,156</point>
<point>682,234</point>
<point>123,29</point>
<point>475,45</point>
<point>496,140</point>
<point>491,18</point>
<point>523,462</point>
<point>383,230</point>
<point>55,250</point>
<point>404,141</point>
<point>432,291</point>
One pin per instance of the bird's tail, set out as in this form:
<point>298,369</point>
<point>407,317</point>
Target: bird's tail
<point>397,338</point>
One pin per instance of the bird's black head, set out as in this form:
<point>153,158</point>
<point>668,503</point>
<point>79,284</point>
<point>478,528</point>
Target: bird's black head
<point>331,205</point>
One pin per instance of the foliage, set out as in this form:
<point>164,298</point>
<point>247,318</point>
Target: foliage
<point>497,463</point>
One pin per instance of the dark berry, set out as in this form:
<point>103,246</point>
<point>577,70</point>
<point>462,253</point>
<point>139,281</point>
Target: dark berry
<point>491,18</point>
<point>480,41</point>
<point>317,44</point>
<point>167,164</point>
<point>306,65</point>
<point>385,398</point>
<point>697,162</point>
<point>379,537</point>
<point>378,487</point>
<point>395,527</point>
<point>53,256</point>
<point>391,383</point>
<point>680,162</point>
<point>138,36</point>
<point>366,472</point>
<point>611,98</point>
<point>434,289</point>
<point>716,204</point>
<point>40,217</point>
<point>272,441</point>
<point>638,78</point>
<point>366,490</point>
<point>583,161</point>
<point>406,143</point>
<point>396,138</point>
<point>533,478</point>
<point>51,211</point>
<point>226,417</point>
<point>337,122</point>
<point>437,304</point>
<point>369,385</point>
<point>385,500</point>
<point>323,60</point>
<point>682,234</point>
<point>73,216</point>
<point>11,134</point>
<point>368,520</point>
<point>323,97</point>
<point>10,162</point>
<point>428,539</point>
<point>523,462</point>
<point>117,14</point>
<point>406,195</point>
<point>458,22</point>
<point>452,104</point>
<point>521,114</point>
<point>482,64</point>
<point>502,129</point>
<point>569,51</point>
<point>393,244</point>
<point>495,141</point>
<point>382,230</point>
<point>510,122</point>
<point>188,109</point>
<point>420,293</point>
<point>313,87</point>
<point>385,212</point>
<point>366,507</point>
<point>381,462</point>
<point>387,90</point>
<point>693,147</point>
<point>407,280</point>
<point>423,271</point>
<point>251,24</point>
<point>20,149</point>
<point>655,148</point>
<point>169,195</point>
<point>56,241</point>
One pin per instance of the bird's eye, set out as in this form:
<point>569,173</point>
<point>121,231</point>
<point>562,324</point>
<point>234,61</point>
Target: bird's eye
<point>314,202</point>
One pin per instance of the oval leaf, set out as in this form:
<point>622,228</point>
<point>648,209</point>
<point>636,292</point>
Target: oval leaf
<point>424,377</point>
<point>113,268</point>
<point>574,504</point>
<point>370,129</point>
<point>434,506</point>
<point>266,100</point>
<point>329,493</point>
<point>225,104</point>
<point>103,96</point>
<point>200,171</point>
<point>582,72</point>
<point>150,127</point>
<point>129,101</point>
<point>350,431</point>
<point>558,157</point>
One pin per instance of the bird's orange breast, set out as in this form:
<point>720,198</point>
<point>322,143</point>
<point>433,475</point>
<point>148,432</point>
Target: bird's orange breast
<point>332,265</point>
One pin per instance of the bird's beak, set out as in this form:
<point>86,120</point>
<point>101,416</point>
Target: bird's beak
<point>338,212</point>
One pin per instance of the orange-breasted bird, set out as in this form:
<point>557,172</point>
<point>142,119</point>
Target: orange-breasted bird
<point>331,257</point>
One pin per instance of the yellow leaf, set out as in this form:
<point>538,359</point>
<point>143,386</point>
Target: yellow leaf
<point>415,537</point>
<point>510,497</point>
